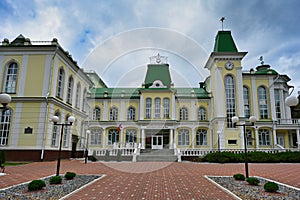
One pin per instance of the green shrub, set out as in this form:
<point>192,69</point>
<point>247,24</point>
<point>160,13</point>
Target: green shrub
<point>94,158</point>
<point>253,181</point>
<point>271,187</point>
<point>36,185</point>
<point>2,156</point>
<point>239,177</point>
<point>55,180</point>
<point>70,175</point>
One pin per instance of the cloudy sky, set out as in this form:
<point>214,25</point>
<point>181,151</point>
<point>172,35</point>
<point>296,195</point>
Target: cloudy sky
<point>116,38</point>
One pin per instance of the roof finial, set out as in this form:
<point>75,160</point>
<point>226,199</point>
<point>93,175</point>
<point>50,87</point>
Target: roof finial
<point>222,20</point>
<point>261,59</point>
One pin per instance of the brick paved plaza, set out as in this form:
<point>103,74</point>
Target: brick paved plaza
<point>146,180</point>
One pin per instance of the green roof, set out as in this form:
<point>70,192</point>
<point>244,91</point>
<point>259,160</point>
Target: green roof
<point>158,72</point>
<point>224,42</point>
<point>265,69</point>
<point>134,93</point>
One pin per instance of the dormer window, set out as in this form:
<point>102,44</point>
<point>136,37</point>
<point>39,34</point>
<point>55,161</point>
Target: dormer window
<point>158,84</point>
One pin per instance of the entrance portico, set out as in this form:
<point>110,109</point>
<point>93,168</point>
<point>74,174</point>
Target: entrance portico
<point>157,139</point>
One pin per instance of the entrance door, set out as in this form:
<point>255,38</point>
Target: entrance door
<point>157,142</point>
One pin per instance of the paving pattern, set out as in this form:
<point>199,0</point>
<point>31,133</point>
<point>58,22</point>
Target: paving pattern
<point>150,180</point>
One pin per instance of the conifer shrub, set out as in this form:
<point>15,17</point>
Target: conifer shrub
<point>106,157</point>
<point>36,185</point>
<point>70,175</point>
<point>239,177</point>
<point>253,181</point>
<point>271,187</point>
<point>55,180</point>
<point>94,158</point>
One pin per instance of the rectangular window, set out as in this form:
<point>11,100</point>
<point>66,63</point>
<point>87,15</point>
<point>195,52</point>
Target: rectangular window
<point>148,108</point>
<point>157,108</point>
<point>166,108</point>
<point>95,138</point>
<point>183,137</point>
<point>277,104</point>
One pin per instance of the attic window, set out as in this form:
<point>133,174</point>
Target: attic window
<point>157,84</point>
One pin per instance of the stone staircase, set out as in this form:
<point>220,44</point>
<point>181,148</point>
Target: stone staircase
<point>156,155</point>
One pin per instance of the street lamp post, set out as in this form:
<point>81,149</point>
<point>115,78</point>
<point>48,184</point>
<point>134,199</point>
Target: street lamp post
<point>55,119</point>
<point>4,100</point>
<point>252,120</point>
<point>86,146</point>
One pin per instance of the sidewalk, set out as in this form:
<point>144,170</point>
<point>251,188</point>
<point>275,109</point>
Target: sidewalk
<point>127,180</point>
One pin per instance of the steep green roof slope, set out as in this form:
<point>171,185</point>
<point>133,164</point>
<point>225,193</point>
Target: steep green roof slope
<point>224,42</point>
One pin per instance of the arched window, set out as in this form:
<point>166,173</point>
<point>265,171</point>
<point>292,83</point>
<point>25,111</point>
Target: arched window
<point>263,102</point>
<point>201,114</point>
<point>148,108</point>
<point>184,115</point>
<point>264,137</point>
<point>246,101</point>
<point>113,136</point>
<point>113,114</point>
<point>96,113</point>
<point>55,132</point>
<point>183,137</point>
<point>201,137</point>
<point>157,107</point>
<point>131,113</point>
<point>5,116</point>
<point>70,89</point>
<point>130,136</point>
<point>78,95</point>
<point>11,76</point>
<point>66,133</point>
<point>84,99</point>
<point>60,83</point>
<point>249,137</point>
<point>166,108</point>
<point>230,99</point>
<point>95,137</point>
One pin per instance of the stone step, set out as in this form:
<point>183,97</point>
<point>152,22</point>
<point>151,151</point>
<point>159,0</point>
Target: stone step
<point>155,158</point>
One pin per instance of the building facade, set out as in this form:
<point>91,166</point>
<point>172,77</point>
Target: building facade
<point>44,80</point>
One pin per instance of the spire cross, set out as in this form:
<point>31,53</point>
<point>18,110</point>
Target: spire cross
<point>222,20</point>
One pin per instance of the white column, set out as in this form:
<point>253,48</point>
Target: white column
<point>173,107</point>
<point>122,110</point>
<point>298,138</point>
<point>103,138</point>
<point>193,138</point>
<point>121,139</point>
<point>272,99</point>
<point>143,139</point>
<point>254,98</point>
<point>256,139</point>
<point>240,100</point>
<point>274,137</point>
<point>141,107</point>
<point>219,95</point>
<point>171,146</point>
<point>105,110</point>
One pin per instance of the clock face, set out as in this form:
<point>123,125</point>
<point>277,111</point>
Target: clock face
<point>229,65</point>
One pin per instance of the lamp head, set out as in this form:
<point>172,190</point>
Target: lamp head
<point>88,132</point>
<point>71,120</point>
<point>55,119</point>
<point>252,119</point>
<point>234,120</point>
<point>291,101</point>
<point>5,99</point>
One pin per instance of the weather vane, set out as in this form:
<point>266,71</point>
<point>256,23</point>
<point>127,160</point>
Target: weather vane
<point>261,59</point>
<point>222,20</point>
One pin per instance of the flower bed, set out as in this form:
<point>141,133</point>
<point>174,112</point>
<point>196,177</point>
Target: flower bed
<point>51,191</point>
<point>245,191</point>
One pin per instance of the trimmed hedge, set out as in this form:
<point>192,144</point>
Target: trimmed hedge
<point>253,181</point>
<point>271,187</point>
<point>253,157</point>
<point>239,177</point>
<point>70,175</point>
<point>55,180</point>
<point>36,185</point>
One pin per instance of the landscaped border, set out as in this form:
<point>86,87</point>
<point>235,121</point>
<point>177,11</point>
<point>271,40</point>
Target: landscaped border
<point>235,195</point>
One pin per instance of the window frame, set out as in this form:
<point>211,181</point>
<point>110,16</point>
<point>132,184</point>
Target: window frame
<point>11,78</point>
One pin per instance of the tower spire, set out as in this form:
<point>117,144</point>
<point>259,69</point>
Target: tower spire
<point>222,20</point>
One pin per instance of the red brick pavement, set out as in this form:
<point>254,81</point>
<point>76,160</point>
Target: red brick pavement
<point>126,180</point>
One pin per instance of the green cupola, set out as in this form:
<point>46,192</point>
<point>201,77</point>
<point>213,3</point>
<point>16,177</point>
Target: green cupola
<point>224,42</point>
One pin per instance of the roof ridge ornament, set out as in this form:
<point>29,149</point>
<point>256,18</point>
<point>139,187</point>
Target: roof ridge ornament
<point>261,59</point>
<point>158,59</point>
<point>222,20</point>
